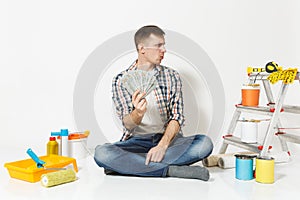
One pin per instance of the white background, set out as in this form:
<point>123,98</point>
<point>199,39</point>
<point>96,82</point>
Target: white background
<point>43,45</point>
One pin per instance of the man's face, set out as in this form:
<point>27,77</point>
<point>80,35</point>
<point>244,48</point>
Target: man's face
<point>153,49</point>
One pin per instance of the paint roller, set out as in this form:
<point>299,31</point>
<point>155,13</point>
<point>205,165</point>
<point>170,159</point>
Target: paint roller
<point>61,176</point>
<point>58,178</point>
<point>40,163</point>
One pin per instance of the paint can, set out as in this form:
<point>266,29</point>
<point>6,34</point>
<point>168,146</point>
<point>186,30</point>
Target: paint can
<point>264,172</point>
<point>249,131</point>
<point>78,145</point>
<point>250,94</point>
<point>244,167</point>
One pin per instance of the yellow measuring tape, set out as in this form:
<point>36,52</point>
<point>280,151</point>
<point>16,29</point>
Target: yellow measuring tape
<point>287,76</point>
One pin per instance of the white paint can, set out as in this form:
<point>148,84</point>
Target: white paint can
<point>249,131</point>
<point>78,146</point>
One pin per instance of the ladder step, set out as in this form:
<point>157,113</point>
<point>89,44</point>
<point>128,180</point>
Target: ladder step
<point>267,110</point>
<point>291,109</point>
<point>256,110</point>
<point>289,137</point>
<point>230,139</point>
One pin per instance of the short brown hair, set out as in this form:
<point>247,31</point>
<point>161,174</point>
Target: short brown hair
<point>145,32</point>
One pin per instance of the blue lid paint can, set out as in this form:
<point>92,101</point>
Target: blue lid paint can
<point>244,167</point>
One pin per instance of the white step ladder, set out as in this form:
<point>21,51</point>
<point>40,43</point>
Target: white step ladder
<point>273,109</point>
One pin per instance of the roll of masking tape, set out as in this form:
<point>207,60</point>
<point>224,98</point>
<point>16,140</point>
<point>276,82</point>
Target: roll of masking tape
<point>58,177</point>
<point>264,172</point>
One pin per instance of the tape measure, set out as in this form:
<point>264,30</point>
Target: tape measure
<point>272,67</point>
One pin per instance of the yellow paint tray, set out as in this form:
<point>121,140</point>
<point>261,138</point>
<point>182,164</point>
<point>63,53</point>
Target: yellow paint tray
<point>27,170</point>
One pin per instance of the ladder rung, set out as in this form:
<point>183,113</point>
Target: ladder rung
<point>289,137</point>
<point>256,110</point>
<point>229,139</point>
<point>267,110</point>
<point>291,109</point>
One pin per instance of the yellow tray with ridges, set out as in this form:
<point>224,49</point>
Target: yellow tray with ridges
<point>27,169</point>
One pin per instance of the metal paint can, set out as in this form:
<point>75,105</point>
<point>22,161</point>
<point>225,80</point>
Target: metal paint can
<point>250,95</point>
<point>244,167</point>
<point>249,131</point>
<point>264,172</point>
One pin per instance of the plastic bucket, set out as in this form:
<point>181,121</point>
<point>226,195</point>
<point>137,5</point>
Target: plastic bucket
<point>78,146</point>
<point>250,95</point>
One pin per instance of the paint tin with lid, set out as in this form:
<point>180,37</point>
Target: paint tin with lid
<point>250,94</point>
<point>264,172</point>
<point>78,145</point>
<point>244,167</point>
<point>249,131</point>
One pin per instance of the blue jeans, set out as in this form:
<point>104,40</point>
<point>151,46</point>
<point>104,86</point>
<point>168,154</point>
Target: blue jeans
<point>128,157</point>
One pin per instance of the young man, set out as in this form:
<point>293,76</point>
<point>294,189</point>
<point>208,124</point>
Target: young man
<point>153,143</point>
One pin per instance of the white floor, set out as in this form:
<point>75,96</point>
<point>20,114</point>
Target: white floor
<point>93,184</point>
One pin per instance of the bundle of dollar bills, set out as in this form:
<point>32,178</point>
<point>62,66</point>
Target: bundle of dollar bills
<point>133,80</point>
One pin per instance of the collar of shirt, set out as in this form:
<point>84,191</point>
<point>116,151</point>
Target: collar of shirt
<point>157,68</point>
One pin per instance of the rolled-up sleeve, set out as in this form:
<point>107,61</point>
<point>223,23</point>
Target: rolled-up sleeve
<point>121,98</point>
<point>176,100</point>
<point>122,102</point>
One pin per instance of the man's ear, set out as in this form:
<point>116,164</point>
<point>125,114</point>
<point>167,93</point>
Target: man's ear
<point>141,48</point>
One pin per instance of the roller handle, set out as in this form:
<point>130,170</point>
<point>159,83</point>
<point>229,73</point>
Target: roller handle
<point>36,159</point>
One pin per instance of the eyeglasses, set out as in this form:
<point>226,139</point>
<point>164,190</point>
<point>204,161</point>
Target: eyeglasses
<point>160,46</point>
